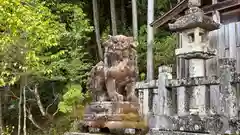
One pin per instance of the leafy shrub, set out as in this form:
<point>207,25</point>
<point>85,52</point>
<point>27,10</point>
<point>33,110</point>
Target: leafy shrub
<point>8,130</point>
<point>71,99</point>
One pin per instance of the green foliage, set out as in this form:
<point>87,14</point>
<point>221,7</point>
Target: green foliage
<point>71,98</point>
<point>45,40</point>
<point>105,34</point>
<point>27,27</point>
<point>47,47</point>
<point>142,76</point>
<point>160,7</point>
<point>163,49</point>
<point>72,61</point>
<point>7,130</point>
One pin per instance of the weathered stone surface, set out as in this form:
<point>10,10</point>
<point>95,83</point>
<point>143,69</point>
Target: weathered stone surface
<point>113,115</point>
<point>164,95</point>
<point>146,105</point>
<point>157,132</point>
<point>153,84</point>
<point>228,95</point>
<point>217,124</point>
<point>206,80</point>
<point>236,77</point>
<point>194,3</point>
<point>194,19</point>
<point>195,54</point>
<point>108,80</point>
<point>112,82</point>
<point>162,103</point>
<point>193,81</point>
<point>215,105</point>
<point>182,101</point>
<point>193,10</point>
<point>229,63</point>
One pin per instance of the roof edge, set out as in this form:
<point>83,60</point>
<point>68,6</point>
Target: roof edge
<point>180,7</point>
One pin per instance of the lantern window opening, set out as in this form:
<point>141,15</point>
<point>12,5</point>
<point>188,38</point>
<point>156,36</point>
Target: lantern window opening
<point>191,37</point>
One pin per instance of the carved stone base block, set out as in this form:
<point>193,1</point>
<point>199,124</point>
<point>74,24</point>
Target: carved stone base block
<point>182,101</point>
<point>112,116</point>
<point>198,104</point>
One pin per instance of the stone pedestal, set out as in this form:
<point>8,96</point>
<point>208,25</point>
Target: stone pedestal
<point>198,97</point>
<point>182,101</point>
<point>113,116</point>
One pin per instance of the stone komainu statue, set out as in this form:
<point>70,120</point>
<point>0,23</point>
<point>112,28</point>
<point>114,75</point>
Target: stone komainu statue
<point>115,78</point>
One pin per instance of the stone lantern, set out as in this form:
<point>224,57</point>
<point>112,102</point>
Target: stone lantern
<point>194,27</point>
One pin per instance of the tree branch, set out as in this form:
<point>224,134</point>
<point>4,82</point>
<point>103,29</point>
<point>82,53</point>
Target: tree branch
<point>30,89</point>
<point>13,95</point>
<point>55,112</point>
<point>30,117</point>
<point>44,111</point>
<point>37,96</point>
<point>52,103</point>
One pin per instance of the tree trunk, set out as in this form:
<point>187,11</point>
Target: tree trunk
<point>24,107</point>
<point>150,36</point>
<point>39,103</point>
<point>113,17</point>
<point>170,4</point>
<point>1,112</point>
<point>96,25</point>
<point>123,17</point>
<point>134,20</point>
<point>5,105</point>
<point>20,109</point>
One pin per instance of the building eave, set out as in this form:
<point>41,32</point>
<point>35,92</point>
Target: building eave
<point>183,5</point>
<point>170,14</point>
